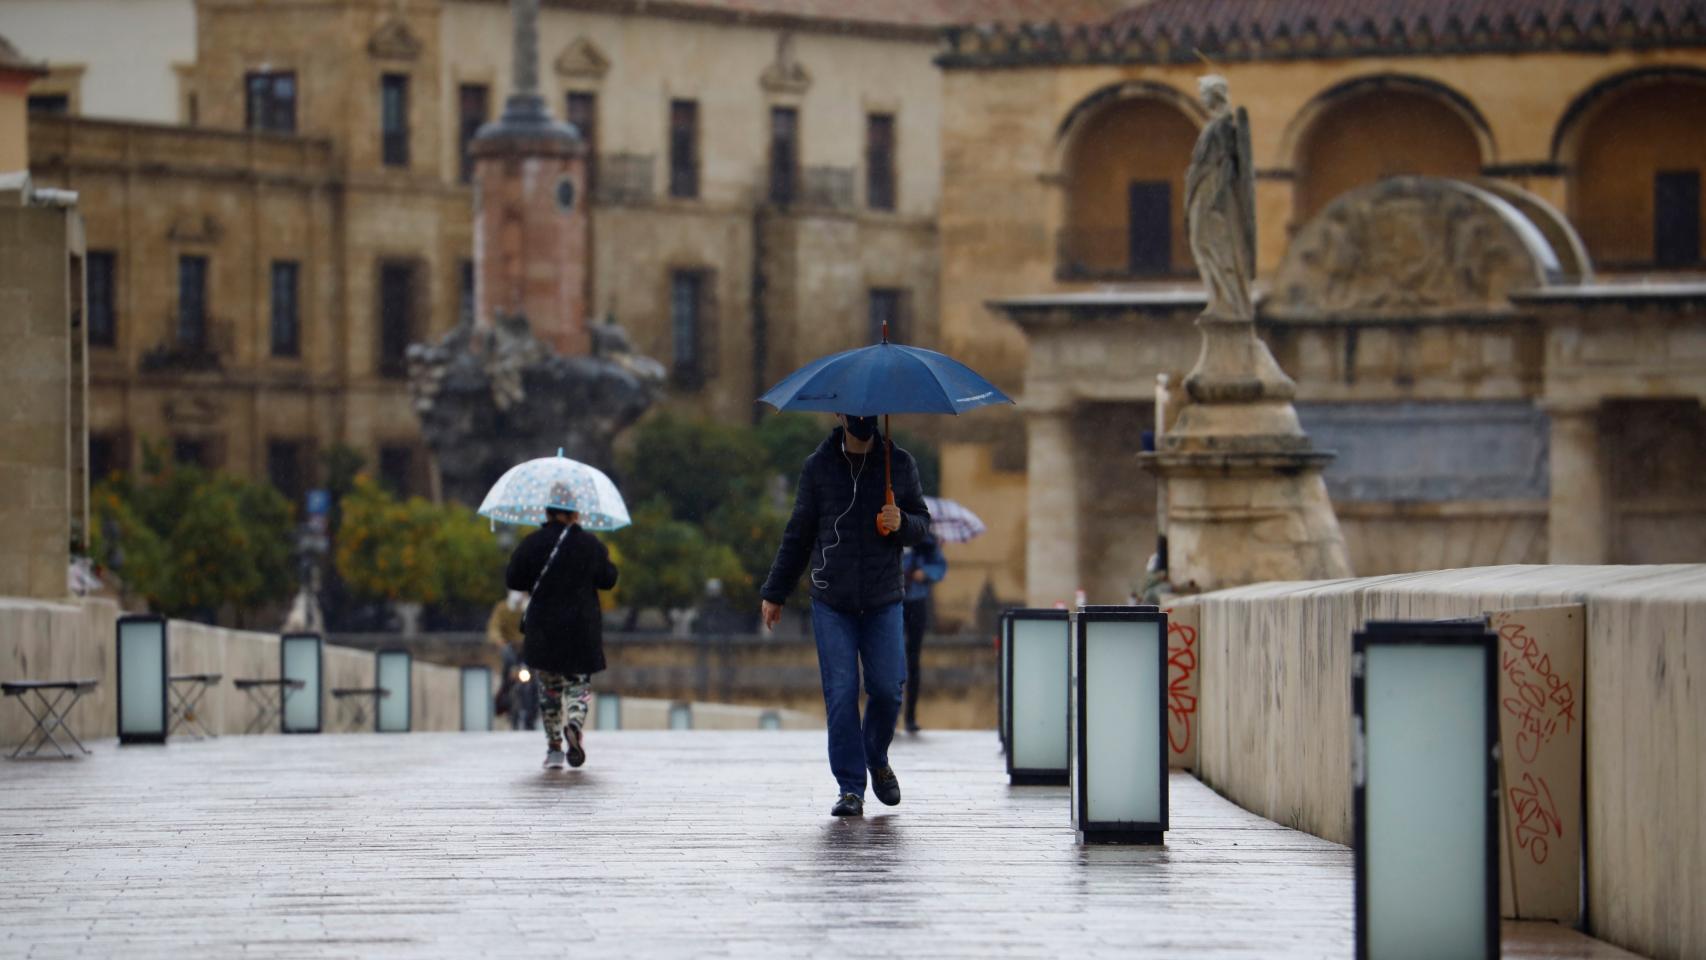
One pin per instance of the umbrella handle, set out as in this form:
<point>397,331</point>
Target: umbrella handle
<point>888,468</point>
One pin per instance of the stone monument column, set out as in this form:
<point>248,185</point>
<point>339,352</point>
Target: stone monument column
<point>1051,515</point>
<point>1577,515</point>
<point>1245,497</point>
<point>531,250</point>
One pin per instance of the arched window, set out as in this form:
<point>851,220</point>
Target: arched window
<point>1369,129</point>
<point>1126,154</point>
<point>1634,147</point>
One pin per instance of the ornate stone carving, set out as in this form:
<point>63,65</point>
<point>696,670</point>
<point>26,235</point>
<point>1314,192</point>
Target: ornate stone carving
<point>1411,246</point>
<point>394,41</point>
<point>785,74</point>
<point>582,59</point>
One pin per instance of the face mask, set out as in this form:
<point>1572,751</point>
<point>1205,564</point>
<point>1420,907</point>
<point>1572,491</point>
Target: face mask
<point>862,428</point>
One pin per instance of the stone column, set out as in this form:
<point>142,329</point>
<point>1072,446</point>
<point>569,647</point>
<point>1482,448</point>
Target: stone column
<point>1578,518</point>
<point>1051,521</point>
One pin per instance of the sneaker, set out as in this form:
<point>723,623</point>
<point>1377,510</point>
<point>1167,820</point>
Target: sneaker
<point>886,785</point>
<point>848,806</point>
<point>554,759</point>
<point>577,753</point>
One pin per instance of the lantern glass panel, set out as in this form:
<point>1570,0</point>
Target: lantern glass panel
<point>476,699</point>
<point>1039,668</point>
<point>299,659</point>
<point>1122,737</point>
<point>681,717</point>
<point>142,677</point>
<point>392,673</point>
<point>607,712</point>
<point>1426,740</point>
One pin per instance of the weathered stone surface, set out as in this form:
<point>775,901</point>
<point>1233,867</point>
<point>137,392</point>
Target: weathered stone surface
<point>489,399</point>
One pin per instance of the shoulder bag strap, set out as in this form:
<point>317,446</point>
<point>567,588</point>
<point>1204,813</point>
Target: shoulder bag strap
<point>554,548</point>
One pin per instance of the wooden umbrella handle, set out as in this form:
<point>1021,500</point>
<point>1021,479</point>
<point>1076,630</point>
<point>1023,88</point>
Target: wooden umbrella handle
<point>888,474</point>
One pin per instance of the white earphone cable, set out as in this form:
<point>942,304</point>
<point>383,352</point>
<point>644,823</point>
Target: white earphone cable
<point>824,584</point>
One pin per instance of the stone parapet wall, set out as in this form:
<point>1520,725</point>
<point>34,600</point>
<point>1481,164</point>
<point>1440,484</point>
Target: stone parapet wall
<point>1274,717</point>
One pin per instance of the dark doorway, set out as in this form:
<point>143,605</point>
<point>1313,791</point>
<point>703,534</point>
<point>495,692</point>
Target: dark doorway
<point>1149,242</point>
<point>1676,218</point>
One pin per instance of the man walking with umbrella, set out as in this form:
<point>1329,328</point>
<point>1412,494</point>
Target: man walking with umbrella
<point>848,531</point>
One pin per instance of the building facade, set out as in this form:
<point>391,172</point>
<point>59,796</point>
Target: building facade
<point>764,182</point>
<point>1066,275</point>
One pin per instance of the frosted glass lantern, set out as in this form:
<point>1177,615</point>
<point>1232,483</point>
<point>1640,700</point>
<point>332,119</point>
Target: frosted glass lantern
<point>681,715</point>
<point>1425,734</point>
<point>770,720</point>
<point>1037,691</point>
<point>393,671</point>
<point>301,657</point>
<point>477,699</point>
<point>1003,658</point>
<point>142,672</point>
<point>608,711</point>
<point>1119,725</point>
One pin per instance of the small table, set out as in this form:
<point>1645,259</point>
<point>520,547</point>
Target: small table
<point>268,696</point>
<point>54,712</point>
<point>357,698</point>
<point>187,691</point>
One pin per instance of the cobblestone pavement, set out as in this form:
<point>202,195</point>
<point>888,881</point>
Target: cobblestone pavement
<point>701,844</point>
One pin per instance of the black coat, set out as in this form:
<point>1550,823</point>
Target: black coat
<point>564,627</point>
<point>852,567</point>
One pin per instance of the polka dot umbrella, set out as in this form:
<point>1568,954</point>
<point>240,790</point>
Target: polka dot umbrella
<point>524,491</point>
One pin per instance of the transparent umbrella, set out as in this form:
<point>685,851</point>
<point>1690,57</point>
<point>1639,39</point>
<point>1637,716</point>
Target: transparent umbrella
<point>526,490</point>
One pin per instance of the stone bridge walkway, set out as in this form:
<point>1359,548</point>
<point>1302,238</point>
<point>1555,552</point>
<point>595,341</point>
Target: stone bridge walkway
<point>690,844</point>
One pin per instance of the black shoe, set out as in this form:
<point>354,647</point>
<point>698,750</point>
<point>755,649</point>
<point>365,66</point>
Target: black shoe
<point>577,753</point>
<point>911,728</point>
<point>886,785</point>
<point>848,806</point>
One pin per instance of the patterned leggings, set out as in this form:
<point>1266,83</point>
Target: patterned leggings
<point>554,688</point>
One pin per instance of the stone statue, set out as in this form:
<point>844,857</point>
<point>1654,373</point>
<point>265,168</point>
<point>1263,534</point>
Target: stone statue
<point>1220,205</point>
<point>525,14</point>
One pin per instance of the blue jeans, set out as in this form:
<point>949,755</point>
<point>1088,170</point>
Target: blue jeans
<point>843,642</point>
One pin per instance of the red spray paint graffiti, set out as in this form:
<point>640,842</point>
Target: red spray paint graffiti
<point>1536,816</point>
<point>1181,703</point>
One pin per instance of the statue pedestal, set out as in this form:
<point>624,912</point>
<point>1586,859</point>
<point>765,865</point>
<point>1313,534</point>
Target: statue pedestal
<point>1245,497</point>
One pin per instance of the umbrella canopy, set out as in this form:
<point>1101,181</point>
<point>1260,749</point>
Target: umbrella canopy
<point>951,522</point>
<point>884,378</point>
<point>525,490</point>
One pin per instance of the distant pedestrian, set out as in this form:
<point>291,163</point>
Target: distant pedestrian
<point>850,539</point>
<point>924,567</point>
<point>562,567</point>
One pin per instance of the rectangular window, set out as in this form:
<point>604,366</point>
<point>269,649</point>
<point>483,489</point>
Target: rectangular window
<point>879,161</point>
<point>1676,218</point>
<point>473,102</point>
<point>49,104</point>
<point>286,315</point>
<point>683,148</point>
<point>784,154</point>
<point>190,452</point>
<point>465,290</point>
<point>287,463</point>
<point>396,469</point>
<point>686,320</point>
<point>888,305</point>
<point>103,318</point>
<point>192,303</point>
<point>1149,227</point>
<point>394,119</point>
<point>271,102</point>
<point>396,316</point>
<point>581,110</point>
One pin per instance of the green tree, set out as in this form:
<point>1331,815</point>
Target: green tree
<point>415,551</point>
<point>667,562</point>
<point>192,542</point>
<point>789,438</point>
<point>695,466</point>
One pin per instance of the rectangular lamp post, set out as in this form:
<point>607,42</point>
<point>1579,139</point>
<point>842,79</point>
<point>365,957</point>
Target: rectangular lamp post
<point>1424,776</point>
<point>301,657</point>
<point>1037,691</point>
<point>609,711</point>
<point>393,670</point>
<point>1003,656</point>
<point>477,699</point>
<point>770,720</point>
<point>681,715</point>
<point>1119,725</point>
<point>142,679</point>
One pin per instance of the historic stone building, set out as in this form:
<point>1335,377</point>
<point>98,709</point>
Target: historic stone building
<point>1478,418</point>
<point>764,181</point>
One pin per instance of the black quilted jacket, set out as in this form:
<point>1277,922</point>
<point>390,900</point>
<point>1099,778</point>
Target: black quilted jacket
<point>850,566</point>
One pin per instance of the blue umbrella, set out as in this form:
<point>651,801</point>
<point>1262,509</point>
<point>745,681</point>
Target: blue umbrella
<point>884,378</point>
